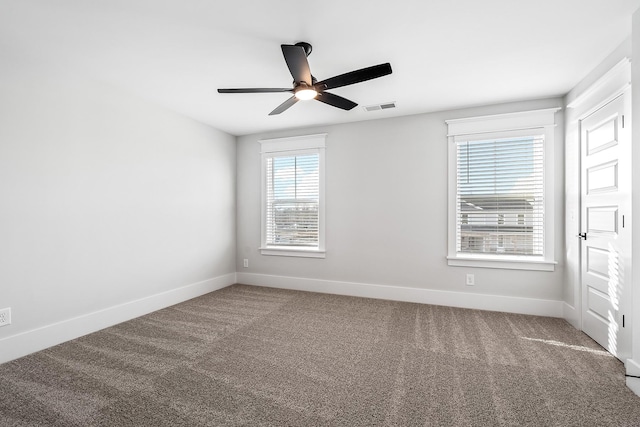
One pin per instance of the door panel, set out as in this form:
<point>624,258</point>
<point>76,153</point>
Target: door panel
<point>603,135</point>
<point>605,199</point>
<point>602,219</point>
<point>599,304</point>
<point>602,178</point>
<point>598,262</point>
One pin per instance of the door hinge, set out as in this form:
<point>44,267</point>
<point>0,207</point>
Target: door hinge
<point>622,221</point>
<point>623,320</point>
<point>623,121</point>
<point>583,236</point>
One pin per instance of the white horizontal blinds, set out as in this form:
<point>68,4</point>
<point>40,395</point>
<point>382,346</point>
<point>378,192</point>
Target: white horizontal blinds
<point>500,187</point>
<point>292,200</point>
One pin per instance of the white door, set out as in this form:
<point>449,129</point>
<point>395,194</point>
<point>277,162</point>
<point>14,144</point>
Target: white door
<point>606,218</point>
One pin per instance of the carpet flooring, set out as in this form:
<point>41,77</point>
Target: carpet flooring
<point>255,356</point>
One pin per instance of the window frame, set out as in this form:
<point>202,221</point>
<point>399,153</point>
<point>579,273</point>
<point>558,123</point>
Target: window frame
<point>294,146</point>
<point>503,125</point>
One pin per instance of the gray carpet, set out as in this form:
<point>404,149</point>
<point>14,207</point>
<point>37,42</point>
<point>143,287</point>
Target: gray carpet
<point>266,357</point>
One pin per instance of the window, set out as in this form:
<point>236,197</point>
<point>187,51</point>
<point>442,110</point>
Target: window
<point>292,196</point>
<point>500,191</point>
<point>498,178</point>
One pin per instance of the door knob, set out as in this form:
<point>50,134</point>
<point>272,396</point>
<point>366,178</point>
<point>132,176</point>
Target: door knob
<point>583,236</point>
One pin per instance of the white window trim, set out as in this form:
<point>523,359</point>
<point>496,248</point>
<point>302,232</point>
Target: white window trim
<point>294,145</point>
<point>459,129</point>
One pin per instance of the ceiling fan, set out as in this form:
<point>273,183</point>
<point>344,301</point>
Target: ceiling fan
<point>305,86</point>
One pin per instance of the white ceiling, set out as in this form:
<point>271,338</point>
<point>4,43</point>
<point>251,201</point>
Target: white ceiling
<point>445,54</point>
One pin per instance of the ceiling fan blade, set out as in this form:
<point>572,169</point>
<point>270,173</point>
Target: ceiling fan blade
<point>357,76</point>
<point>296,59</point>
<point>284,106</point>
<point>255,90</point>
<point>335,100</point>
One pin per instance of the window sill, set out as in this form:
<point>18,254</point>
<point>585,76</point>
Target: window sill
<point>293,252</point>
<point>514,263</point>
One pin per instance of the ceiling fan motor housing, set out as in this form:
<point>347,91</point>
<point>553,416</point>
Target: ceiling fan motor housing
<point>306,46</point>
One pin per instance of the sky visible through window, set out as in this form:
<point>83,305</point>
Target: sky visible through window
<point>499,166</point>
<point>295,177</point>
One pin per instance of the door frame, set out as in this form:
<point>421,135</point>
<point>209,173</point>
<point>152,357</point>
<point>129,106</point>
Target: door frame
<point>610,86</point>
<point>621,347</point>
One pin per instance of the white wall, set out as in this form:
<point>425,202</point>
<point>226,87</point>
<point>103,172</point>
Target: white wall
<point>386,219</point>
<point>110,206</point>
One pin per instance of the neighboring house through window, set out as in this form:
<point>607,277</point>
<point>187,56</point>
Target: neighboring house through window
<point>293,196</point>
<point>501,191</point>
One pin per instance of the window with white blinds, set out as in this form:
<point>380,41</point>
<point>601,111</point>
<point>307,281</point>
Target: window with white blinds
<point>501,204</point>
<point>293,200</point>
<point>500,196</point>
<point>292,196</point>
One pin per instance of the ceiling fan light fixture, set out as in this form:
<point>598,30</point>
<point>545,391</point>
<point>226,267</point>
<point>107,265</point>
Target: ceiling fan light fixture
<point>306,87</point>
<point>306,94</point>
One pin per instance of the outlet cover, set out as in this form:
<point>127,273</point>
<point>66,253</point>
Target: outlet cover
<point>5,316</point>
<point>246,263</point>
<point>471,280</point>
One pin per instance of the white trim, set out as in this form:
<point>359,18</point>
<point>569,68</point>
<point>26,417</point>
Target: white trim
<point>291,143</point>
<point>612,83</point>
<point>633,368</point>
<point>294,252</point>
<point>28,342</point>
<point>571,315</point>
<point>604,101</point>
<point>542,121</point>
<point>502,122</point>
<point>533,306</point>
<point>534,131</point>
<point>504,263</point>
<point>295,145</point>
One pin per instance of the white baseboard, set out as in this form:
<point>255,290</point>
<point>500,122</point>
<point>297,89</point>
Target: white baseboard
<point>507,304</point>
<point>19,345</point>
<point>571,315</point>
<point>633,368</point>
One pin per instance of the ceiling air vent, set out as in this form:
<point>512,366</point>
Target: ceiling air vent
<point>376,107</point>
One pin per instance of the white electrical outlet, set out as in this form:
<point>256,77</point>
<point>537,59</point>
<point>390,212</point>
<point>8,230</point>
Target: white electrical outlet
<point>246,263</point>
<point>5,316</point>
<point>471,280</point>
